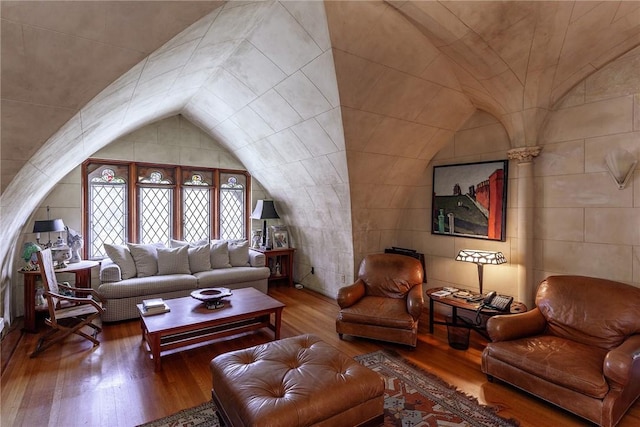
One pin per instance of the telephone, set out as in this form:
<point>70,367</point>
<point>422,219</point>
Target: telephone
<point>497,302</point>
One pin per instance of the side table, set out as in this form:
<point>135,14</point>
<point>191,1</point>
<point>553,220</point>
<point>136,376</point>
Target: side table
<point>458,303</point>
<point>280,262</point>
<point>82,271</point>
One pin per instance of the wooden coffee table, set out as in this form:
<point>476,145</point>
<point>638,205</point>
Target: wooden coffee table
<point>190,322</point>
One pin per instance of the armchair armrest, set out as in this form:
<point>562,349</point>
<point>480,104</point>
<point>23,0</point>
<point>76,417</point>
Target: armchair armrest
<point>76,300</point>
<point>86,291</point>
<point>349,295</point>
<point>415,301</point>
<point>622,364</point>
<point>505,327</point>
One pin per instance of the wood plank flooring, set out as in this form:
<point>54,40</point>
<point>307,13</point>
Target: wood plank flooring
<point>114,384</point>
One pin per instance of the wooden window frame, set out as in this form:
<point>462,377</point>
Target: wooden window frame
<point>133,187</point>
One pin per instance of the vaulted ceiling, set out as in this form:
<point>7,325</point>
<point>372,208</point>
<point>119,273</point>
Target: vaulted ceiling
<point>335,107</point>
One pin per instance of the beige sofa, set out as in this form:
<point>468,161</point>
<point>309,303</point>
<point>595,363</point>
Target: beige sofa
<point>134,272</point>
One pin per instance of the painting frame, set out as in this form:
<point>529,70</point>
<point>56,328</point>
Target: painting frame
<point>470,200</point>
<point>279,237</point>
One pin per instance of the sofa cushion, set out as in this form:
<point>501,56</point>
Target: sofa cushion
<point>178,243</point>
<point>220,254</point>
<point>143,286</point>
<point>122,257</point>
<point>223,277</point>
<point>379,311</point>
<point>199,258</point>
<point>146,258</point>
<point>173,261</point>
<point>239,253</point>
<point>560,361</point>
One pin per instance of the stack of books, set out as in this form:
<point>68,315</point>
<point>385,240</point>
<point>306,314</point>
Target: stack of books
<point>154,306</point>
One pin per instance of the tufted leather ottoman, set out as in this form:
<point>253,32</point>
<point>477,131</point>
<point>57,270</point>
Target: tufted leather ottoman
<point>297,381</point>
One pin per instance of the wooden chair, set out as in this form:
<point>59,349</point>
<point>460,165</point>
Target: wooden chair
<point>67,314</point>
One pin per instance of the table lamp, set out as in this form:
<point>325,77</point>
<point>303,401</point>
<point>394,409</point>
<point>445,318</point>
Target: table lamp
<point>480,258</point>
<point>47,226</point>
<point>265,209</point>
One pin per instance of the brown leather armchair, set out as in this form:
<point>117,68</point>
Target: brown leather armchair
<point>578,349</point>
<point>385,302</point>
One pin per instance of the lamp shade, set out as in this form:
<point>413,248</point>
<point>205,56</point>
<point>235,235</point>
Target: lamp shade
<point>265,209</point>
<point>481,257</point>
<point>48,225</point>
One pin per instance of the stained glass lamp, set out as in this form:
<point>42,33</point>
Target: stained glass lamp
<point>480,258</point>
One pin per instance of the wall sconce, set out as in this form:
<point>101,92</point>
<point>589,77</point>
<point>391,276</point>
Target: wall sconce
<point>620,164</point>
<point>480,258</point>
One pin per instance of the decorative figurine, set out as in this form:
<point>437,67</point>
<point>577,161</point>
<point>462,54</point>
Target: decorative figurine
<point>75,242</point>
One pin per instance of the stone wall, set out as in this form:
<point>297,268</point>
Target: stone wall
<point>582,223</point>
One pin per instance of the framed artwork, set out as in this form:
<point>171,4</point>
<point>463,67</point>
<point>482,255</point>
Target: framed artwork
<point>280,236</point>
<point>470,200</point>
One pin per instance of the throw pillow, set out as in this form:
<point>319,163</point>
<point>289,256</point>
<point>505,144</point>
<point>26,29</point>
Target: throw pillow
<point>239,253</point>
<point>199,258</point>
<point>146,258</point>
<point>178,243</point>
<point>123,259</point>
<point>219,254</point>
<point>173,261</point>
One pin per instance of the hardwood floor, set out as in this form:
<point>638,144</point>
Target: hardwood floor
<point>114,384</point>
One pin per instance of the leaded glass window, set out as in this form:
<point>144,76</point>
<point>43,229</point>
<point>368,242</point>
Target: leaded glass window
<point>196,206</point>
<point>107,209</point>
<point>156,207</point>
<point>232,206</point>
<point>160,203</point>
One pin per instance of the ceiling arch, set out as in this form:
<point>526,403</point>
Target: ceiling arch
<point>335,107</point>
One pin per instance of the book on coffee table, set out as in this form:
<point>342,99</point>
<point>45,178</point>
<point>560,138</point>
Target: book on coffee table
<point>154,309</point>
<point>153,303</point>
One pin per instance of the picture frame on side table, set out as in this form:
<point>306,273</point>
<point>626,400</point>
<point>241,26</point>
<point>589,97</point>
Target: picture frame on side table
<point>470,200</point>
<point>280,236</point>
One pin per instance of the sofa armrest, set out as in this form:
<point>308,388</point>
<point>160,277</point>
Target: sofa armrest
<point>415,301</point>
<point>109,271</point>
<point>256,259</point>
<point>622,364</point>
<point>349,295</point>
<point>505,327</point>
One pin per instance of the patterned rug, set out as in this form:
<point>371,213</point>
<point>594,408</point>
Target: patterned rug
<point>413,398</point>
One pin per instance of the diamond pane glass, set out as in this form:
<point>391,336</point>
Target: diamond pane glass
<point>232,210</point>
<point>108,217</point>
<point>155,215</point>
<point>196,208</point>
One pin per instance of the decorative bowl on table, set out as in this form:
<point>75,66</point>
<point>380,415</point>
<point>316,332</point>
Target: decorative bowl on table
<point>212,297</point>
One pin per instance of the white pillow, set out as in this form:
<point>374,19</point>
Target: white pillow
<point>219,254</point>
<point>146,258</point>
<point>122,257</point>
<point>178,243</point>
<point>239,253</point>
<point>199,258</point>
<point>173,260</point>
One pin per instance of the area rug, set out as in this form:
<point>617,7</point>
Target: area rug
<point>413,398</point>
